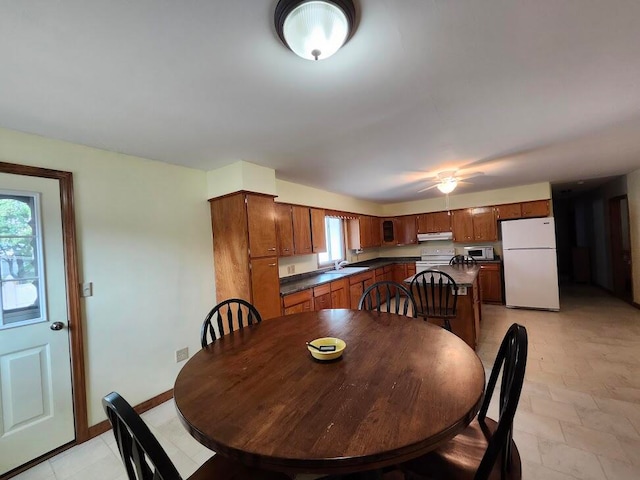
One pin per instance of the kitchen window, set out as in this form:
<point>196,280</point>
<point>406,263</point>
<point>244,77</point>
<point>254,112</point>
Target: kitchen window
<point>21,270</point>
<point>334,232</point>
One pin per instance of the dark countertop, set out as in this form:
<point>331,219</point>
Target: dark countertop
<point>297,283</point>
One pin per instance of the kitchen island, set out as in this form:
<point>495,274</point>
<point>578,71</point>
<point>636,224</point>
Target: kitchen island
<point>466,324</point>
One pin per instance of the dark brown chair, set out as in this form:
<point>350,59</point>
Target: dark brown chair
<point>462,260</point>
<point>436,295</point>
<point>145,459</point>
<point>485,450</point>
<point>232,313</point>
<point>389,297</point>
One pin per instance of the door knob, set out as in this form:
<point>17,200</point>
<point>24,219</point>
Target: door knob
<point>57,326</point>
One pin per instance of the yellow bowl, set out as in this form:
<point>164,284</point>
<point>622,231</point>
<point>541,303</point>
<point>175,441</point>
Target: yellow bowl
<point>319,342</point>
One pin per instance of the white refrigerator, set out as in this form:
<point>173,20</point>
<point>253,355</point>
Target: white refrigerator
<point>530,264</point>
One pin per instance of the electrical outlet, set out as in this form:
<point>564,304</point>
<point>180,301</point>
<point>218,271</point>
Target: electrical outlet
<point>291,269</point>
<point>462,290</point>
<point>87,289</point>
<point>182,354</point>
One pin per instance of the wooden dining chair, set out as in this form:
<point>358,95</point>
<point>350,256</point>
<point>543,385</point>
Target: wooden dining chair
<point>389,297</point>
<point>145,459</point>
<point>485,450</point>
<point>436,295</point>
<point>231,314</point>
<point>463,260</point>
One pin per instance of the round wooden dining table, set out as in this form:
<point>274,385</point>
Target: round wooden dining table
<point>401,388</point>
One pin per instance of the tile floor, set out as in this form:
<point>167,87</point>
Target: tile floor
<point>578,418</point>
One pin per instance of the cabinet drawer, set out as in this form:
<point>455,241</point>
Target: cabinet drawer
<point>361,277</point>
<point>299,308</point>
<point>298,297</point>
<point>321,290</point>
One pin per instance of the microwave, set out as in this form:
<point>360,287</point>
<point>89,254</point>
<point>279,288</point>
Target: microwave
<point>480,253</point>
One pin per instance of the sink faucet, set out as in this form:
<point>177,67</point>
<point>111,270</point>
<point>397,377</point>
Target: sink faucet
<point>341,264</point>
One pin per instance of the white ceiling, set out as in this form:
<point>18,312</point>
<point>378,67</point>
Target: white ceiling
<point>524,91</point>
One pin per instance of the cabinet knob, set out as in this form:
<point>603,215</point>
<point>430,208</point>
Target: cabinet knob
<point>273,249</point>
<point>272,264</point>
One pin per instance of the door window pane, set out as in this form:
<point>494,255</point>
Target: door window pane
<point>20,259</point>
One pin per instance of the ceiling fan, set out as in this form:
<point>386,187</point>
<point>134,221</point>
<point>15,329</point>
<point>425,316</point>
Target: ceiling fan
<point>447,181</point>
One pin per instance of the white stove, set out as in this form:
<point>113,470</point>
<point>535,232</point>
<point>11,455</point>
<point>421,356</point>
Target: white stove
<point>433,256</point>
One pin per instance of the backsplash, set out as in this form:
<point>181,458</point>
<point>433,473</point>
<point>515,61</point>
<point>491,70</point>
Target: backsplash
<point>309,263</point>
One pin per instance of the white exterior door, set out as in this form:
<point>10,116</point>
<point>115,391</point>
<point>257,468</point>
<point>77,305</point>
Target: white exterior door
<point>36,407</point>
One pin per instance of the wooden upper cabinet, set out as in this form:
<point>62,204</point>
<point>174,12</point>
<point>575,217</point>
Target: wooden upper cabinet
<point>363,232</point>
<point>537,208</point>
<point>262,226</point>
<point>389,231</point>
<point>484,224</point>
<point>434,222</point>
<point>508,211</point>
<point>318,235</point>
<point>376,232</point>
<point>462,225</point>
<point>301,230</point>
<point>407,230</point>
<point>284,229</point>
<point>265,286</point>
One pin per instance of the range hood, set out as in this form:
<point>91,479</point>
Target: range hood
<point>429,237</point>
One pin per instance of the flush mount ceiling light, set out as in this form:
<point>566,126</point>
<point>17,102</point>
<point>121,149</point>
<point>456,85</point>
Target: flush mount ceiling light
<point>315,29</point>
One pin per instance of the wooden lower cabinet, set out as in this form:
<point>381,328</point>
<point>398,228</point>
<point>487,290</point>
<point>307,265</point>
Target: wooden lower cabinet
<point>490,283</point>
<point>357,285</point>
<point>340,293</point>
<point>298,302</point>
<point>466,323</point>
<point>265,286</point>
<point>322,297</point>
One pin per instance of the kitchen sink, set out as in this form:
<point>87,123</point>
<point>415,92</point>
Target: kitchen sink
<point>347,270</point>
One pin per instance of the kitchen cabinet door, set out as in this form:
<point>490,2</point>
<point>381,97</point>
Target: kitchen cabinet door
<point>462,225</point>
<point>262,225</point>
<point>434,222</point>
<point>301,230</point>
<point>355,292</point>
<point>490,283</point>
<point>389,232</point>
<point>508,211</point>
<point>322,297</point>
<point>375,232</point>
<point>265,286</point>
<point>485,228</point>
<point>339,293</point>
<point>538,208</point>
<point>284,229</point>
<point>408,234</point>
<point>318,236</point>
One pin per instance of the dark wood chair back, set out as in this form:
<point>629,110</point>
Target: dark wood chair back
<point>436,295</point>
<point>389,297</point>
<point>231,315</point>
<point>462,260</point>
<point>143,456</point>
<point>512,361</point>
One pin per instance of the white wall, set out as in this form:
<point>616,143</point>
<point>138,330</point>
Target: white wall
<point>633,192</point>
<point>144,240</point>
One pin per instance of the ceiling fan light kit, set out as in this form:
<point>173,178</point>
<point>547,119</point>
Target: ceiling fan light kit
<point>315,29</point>
<point>448,185</point>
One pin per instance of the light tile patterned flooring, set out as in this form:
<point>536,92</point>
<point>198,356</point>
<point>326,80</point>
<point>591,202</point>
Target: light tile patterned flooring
<point>578,418</point>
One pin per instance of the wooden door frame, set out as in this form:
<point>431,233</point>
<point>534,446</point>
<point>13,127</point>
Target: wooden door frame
<point>614,204</point>
<point>76,337</point>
